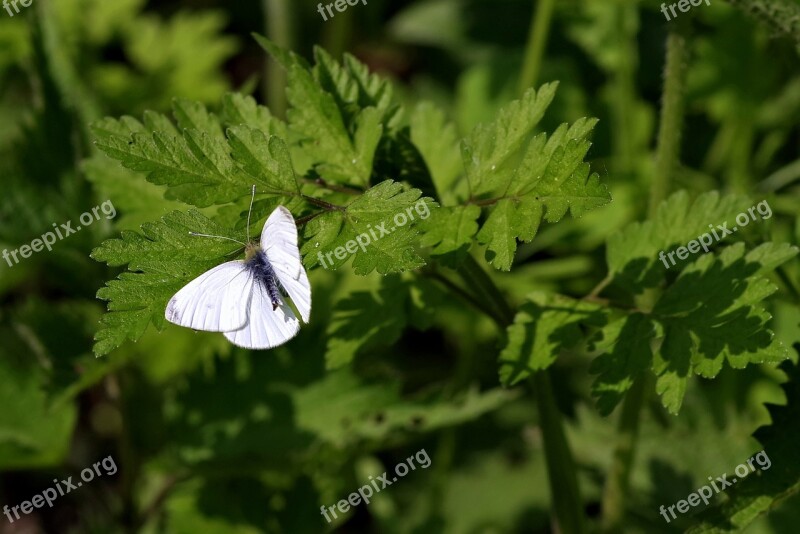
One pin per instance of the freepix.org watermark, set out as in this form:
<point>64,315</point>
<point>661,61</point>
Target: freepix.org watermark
<point>365,493</point>
<point>7,4</point>
<point>50,495</point>
<point>706,240</point>
<point>683,6</point>
<point>48,239</point>
<point>339,5</point>
<point>372,235</point>
<point>720,484</point>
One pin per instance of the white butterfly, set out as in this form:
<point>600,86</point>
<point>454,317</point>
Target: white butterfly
<point>243,298</point>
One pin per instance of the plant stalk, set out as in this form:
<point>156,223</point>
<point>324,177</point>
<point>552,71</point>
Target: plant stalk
<point>561,472</point>
<point>623,87</point>
<point>278,24</point>
<point>671,120</point>
<point>615,492</point>
<point>537,40</point>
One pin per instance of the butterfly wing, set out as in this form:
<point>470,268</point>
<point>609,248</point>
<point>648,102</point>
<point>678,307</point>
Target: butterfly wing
<point>267,328</point>
<point>215,301</point>
<point>279,243</point>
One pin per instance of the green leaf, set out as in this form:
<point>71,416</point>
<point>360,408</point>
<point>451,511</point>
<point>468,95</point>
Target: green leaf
<point>339,127</point>
<point>353,87</point>
<point>265,157</point>
<point>160,260</point>
<point>633,254</point>
<point>374,220</point>
<point>450,232</point>
<point>544,326</point>
<point>488,151</point>
<point>438,143</point>
<point>316,117</point>
<point>342,396</point>
<point>628,355</point>
<point>527,178</point>
<point>713,314</point>
<point>238,110</point>
<point>365,321</point>
<point>286,58</point>
<point>766,490</point>
<point>34,433</point>
<point>199,166</point>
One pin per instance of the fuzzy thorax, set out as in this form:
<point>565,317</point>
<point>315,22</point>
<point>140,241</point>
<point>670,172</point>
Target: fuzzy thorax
<point>250,250</point>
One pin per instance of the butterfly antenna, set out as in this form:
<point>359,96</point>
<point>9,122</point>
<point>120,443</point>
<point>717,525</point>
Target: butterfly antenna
<point>195,234</point>
<point>250,211</point>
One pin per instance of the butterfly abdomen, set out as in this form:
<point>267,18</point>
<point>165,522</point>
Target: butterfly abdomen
<point>264,274</point>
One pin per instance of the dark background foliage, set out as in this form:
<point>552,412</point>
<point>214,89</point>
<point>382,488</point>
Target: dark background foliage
<point>210,438</point>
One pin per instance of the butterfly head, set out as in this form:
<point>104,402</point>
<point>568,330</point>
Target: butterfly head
<point>251,250</point>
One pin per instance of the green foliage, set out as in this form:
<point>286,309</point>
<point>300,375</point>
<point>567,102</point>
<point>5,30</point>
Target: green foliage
<point>162,259</point>
<point>367,215</point>
<point>199,165</point>
<point>410,331</point>
<point>34,433</point>
<point>633,254</point>
<point>710,314</point>
<point>163,58</point>
<point>758,494</point>
<point>368,320</point>
<point>528,178</point>
<point>544,325</point>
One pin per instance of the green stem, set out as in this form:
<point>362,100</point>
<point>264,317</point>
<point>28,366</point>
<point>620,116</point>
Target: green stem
<point>321,203</point>
<point>616,488</point>
<point>337,33</point>
<point>487,292</point>
<point>278,22</point>
<point>784,275</point>
<point>537,40</point>
<point>561,472</point>
<point>465,295</point>
<point>623,87</point>
<point>669,132</point>
<point>332,187</point>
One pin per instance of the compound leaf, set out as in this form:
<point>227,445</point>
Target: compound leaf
<point>528,178</point>
<point>544,325</point>
<point>713,314</point>
<point>628,354</point>
<point>633,253</point>
<point>199,165</point>
<point>378,229</point>
<point>160,259</point>
<point>759,494</point>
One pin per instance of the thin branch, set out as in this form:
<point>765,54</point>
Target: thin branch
<point>321,182</point>
<point>322,204</point>
<point>459,291</point>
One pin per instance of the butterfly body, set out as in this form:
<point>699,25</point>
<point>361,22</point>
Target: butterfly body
<point>244,299</point>
<point>263,273</point>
